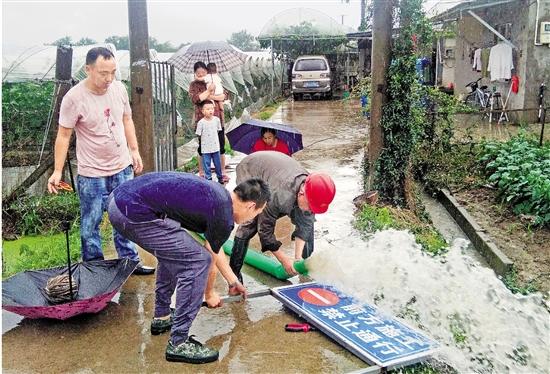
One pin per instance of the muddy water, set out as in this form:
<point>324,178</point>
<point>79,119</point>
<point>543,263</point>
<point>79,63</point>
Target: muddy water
<point>249,335</point>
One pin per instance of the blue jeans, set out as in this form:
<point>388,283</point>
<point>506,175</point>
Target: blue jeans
<point>207,159</point>
<point>93,193</point>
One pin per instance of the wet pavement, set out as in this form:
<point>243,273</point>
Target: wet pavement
<point>250,335</point>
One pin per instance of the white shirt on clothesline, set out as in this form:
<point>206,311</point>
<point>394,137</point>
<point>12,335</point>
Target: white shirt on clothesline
<point>500,62</point>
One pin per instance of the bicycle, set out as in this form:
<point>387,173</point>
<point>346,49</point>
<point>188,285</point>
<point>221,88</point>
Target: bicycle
<point>478,96</point>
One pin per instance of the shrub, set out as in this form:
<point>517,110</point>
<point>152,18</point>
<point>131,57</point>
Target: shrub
<point>34,215</point>
<point>373,218</point>
<point>520,169</point>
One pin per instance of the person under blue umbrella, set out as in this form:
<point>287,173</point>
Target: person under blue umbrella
<point>269,142</point>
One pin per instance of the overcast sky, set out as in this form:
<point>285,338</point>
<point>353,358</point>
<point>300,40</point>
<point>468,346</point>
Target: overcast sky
<point>27,23</point>
<point>37,22</point>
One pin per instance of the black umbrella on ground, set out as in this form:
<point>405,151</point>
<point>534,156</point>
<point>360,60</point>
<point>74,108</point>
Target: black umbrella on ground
<point>88,288</point>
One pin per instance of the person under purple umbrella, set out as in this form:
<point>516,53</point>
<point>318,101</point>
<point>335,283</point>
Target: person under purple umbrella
<point>269,142</point>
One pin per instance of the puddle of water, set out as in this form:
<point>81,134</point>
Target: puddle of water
<point>480,325</point>
<point>9,321</point>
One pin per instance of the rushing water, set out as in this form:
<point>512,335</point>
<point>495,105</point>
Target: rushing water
<point>480,325</point>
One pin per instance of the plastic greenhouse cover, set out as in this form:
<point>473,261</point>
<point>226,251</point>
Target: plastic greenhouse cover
<point>324,25</point>
<point>227,82</point>
<point>237,75</point>
<point>38,62</point>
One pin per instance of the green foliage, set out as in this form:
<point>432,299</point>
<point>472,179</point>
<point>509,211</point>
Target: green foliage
<point>512,282</point>
<point>25,110</point>
<point>34,215</point>
<point>66,40</point>
<point>191,166</point>
<point>302,39</point>
<point>228,150</point>
<point>436,161</point>
<point>244,41</point>
<point>122,42</point>
<point>363,87</point>
<point>373,218</point>
<point>403,117</point>
<point>416,369</point>
<point>456,325</point>
<point>521,171</point>
<point>85,41</point>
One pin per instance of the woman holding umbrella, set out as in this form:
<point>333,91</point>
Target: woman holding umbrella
<point>269,142</point>
<point>200,91</point>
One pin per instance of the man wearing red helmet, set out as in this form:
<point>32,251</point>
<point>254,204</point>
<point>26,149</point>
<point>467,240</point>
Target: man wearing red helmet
<point>295,193</point>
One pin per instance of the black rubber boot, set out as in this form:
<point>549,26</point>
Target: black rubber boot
<point>236,261</point>
<point>308,249</point>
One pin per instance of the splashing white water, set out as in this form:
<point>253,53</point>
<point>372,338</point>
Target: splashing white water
<point>480,325</point>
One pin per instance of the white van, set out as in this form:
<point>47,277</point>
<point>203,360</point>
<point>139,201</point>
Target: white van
<point>311,75</point>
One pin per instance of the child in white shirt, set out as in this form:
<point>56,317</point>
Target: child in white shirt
<point>213,77</point>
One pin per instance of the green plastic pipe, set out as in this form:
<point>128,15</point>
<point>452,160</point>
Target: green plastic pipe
<point>261,262</point>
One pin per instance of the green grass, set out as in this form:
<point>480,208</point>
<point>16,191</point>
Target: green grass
<point>46,251</point>
<point>191,166</point>
<point>267,111</point>
<point>38,252</point>
<point>373,218</point>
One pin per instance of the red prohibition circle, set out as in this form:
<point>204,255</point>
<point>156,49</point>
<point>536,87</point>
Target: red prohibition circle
<point>318,296</point>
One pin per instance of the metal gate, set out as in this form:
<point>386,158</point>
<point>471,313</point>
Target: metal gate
<point>164,115</point>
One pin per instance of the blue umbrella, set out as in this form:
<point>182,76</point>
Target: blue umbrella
<point>243,137</point>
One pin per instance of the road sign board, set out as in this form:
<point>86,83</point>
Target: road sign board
<point>375,337</point>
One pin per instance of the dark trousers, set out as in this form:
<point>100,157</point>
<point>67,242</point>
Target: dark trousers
<point>183,264</point>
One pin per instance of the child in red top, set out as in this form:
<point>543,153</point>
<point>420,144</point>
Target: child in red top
<point>270,142</point>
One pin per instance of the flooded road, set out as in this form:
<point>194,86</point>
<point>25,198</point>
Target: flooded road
<point>250,335</point>
<point>481,326</point>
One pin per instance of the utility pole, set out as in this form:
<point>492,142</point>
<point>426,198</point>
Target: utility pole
<point>380,61</point>
<point>140,76</point>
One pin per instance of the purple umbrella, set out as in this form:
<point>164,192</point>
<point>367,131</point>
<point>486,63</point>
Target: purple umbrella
<point>98,282</point>
<point>243,137</point>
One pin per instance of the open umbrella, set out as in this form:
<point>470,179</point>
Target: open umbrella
<point>243,137</point>
<point>98,282</point>
<point>95,284</point>
<point>221,53</point>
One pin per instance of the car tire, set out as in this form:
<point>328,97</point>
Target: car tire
<point>296,97</point>
<point>328,95</point>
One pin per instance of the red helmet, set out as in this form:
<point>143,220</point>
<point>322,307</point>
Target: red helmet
<point>320,190</point>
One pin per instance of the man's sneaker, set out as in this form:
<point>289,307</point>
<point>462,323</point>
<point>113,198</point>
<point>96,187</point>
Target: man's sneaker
<point>158,326</point>
<point>191,351</point>
<point>143,270</point>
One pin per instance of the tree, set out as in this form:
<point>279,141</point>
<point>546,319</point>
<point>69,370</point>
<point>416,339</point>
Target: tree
<point>85,41</point>
<point>302,39</point>
<point>120,42</point>
<point>403,118</point>
<point>244,41</point>
<point>366,15</point>
<point>66,40</point>
<point>161,47</point>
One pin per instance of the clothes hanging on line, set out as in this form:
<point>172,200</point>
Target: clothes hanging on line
<point>477,60</point>
<point>485,62</point>
<point>500,62</point>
